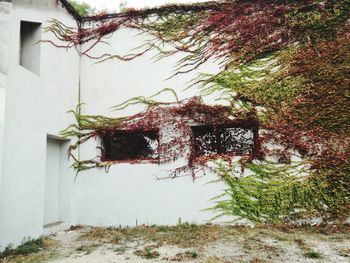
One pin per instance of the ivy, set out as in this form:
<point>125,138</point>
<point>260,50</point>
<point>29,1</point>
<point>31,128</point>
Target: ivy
<point>186,112</point>
<point>284,65</point>
<point>276,193</point>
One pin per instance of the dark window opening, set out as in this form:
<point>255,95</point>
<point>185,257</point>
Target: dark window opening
<point>131,145</point>
<point>205,140</point>
<point>30,36</point>
<point>237,140</point>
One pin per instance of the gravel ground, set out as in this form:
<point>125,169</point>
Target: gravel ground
<point>215,245</point>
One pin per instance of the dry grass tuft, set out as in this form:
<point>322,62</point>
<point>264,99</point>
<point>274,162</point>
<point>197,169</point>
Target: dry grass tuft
<point>182,235</point>
<point>188,255</point>
<point>216,260</point>
<point>257,260</point>
<point>31,251</point>
<point>147,253</point>
<point>32,258</point>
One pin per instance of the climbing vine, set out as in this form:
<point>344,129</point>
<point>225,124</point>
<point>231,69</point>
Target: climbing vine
<point>180,145</point>
<point>286,63</point>
<point>276,193</point>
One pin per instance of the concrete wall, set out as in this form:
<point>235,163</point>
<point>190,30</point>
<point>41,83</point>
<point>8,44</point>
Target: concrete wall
<point>5,10</point>
<point>130,192</point>
<point>35,106</point>
<point>35,109</point>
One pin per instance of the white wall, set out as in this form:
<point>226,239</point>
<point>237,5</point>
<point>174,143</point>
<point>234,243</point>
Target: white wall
<point>131,192</point>
<point>5,9</point>
<point>112,82</point>
<point>35,106</point>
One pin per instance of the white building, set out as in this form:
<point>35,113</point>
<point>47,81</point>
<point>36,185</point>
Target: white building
<point>38,85</point>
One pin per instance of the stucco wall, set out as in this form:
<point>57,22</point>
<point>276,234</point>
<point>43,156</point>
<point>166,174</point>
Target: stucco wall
<point>5,10</point>
<point>130,192</point>
<point>35,106</point>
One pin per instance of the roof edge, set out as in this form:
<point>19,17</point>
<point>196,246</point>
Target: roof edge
<point>71,10</point>
<point>170,8</point>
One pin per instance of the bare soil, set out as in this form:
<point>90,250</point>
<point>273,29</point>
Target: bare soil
<point>192,243</point>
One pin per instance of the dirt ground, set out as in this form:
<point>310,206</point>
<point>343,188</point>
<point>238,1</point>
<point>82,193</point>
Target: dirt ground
<point>191,243</point>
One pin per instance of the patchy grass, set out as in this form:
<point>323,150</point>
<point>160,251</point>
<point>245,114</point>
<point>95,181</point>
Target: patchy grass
<point>301,244</point>
<point>187,243</point>
<point>216,260</point>
<point>147,253</point>
<point>32,250</point>
<point>187,255</point>
<point>308,252</point>
<point>32,258</point>
<point>312,254</point>
<point>344,252</point>
<point>86,249</point>
<point>182,235</point>
<point>191,254</point>
<point>120,250</point>
<point>30,246</point>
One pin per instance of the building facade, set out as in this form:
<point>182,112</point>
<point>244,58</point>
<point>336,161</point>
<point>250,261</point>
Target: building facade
<point>39,83</point>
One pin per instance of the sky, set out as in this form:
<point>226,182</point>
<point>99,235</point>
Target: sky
<point>113,5</point>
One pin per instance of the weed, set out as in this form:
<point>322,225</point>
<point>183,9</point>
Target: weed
<point>147,253</point>
<point>86,249</point>
<point>33,258</point>
<point>73,228</point>
<point>191,254</point>
<point>344,252</point>
<point>188,255</point>
<point>30,251</point>
<point>323,231</point>
<point>301,244</point>
<point>120,250</point>
<point>215,260</point>
<point>312,254</point>
<point>31,246</point>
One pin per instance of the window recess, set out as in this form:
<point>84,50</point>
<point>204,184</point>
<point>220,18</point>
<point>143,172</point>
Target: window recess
<point>124,145</point>
<point>30,36</point>
<point>235,140</point>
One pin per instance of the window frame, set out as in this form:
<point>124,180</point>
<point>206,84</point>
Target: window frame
<point>128,132</point>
